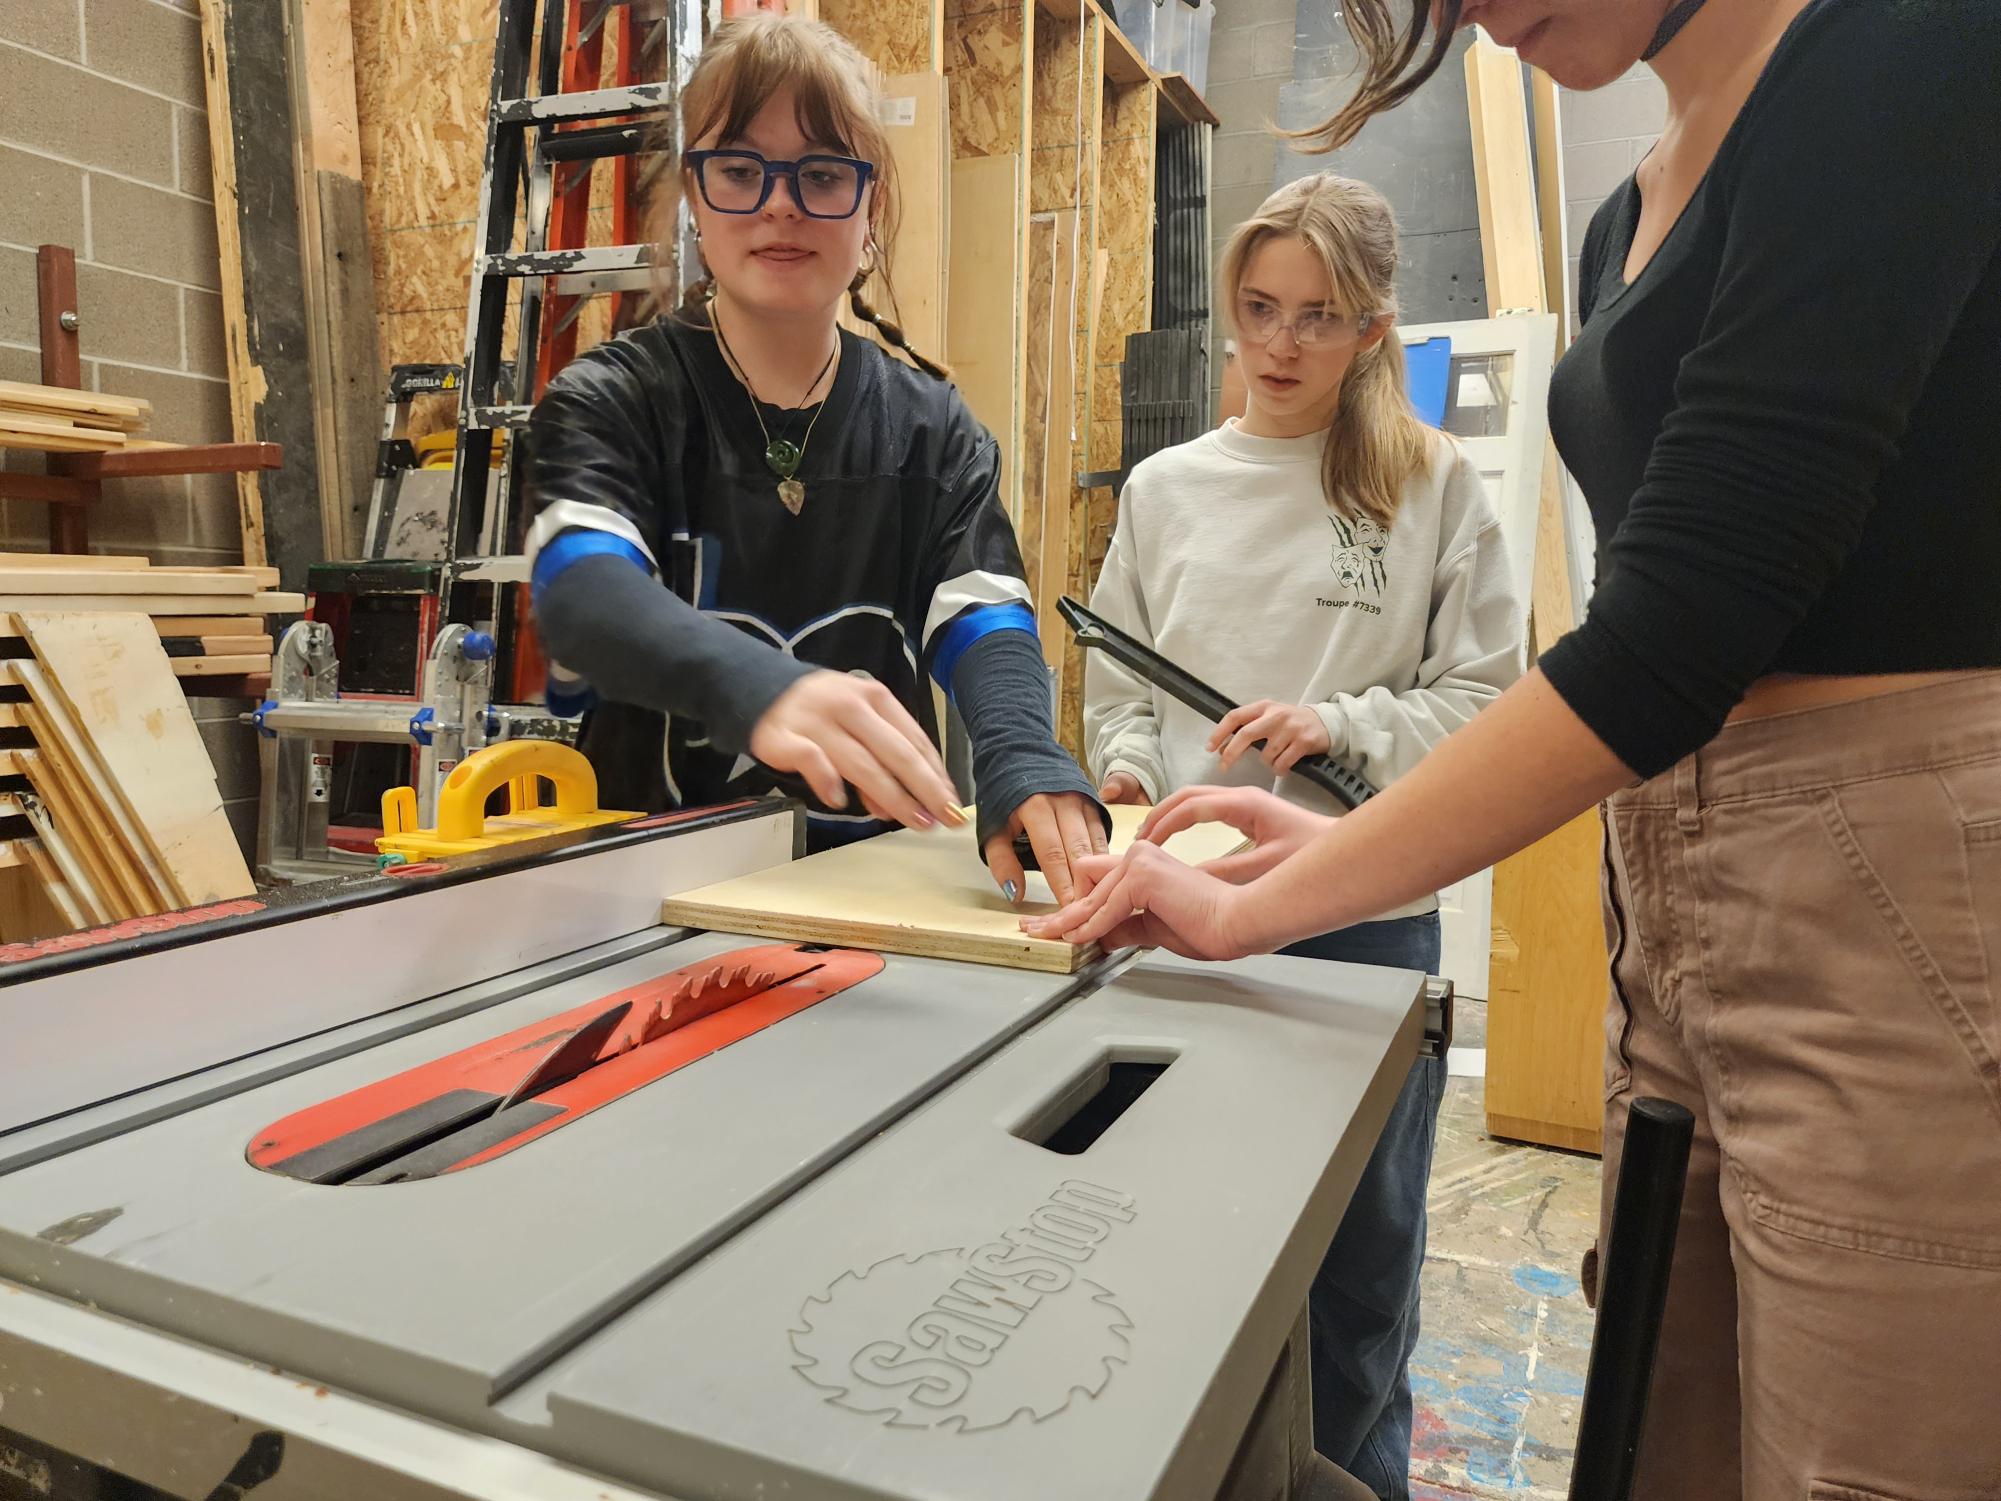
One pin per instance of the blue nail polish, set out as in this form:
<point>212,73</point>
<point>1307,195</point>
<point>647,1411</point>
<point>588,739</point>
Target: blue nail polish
<point>1009,890</point>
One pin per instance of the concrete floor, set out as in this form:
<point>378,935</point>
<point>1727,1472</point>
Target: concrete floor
<point>1499,1369</point>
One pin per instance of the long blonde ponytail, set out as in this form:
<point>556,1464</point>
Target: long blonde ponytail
<point>1376,443</point>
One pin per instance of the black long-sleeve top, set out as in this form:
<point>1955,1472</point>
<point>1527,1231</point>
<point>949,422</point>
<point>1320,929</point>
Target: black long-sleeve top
<point>1788,427</point>
<point>649,469</point>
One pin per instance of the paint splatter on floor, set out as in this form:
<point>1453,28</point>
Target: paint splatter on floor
<point>1499,1369</point>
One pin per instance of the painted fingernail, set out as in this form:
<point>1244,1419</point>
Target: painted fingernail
<point>925,820</point>
<point>1010,890</point>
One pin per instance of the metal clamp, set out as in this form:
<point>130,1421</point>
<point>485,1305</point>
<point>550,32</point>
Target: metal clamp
<point>422,723</point>
<point>1437,1018</point>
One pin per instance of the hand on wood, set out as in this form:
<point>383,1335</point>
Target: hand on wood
<point>1276,828</point>
<point>1289,732</point>
<point>1123,787</point>
<point>835,730</point>
<point>1062,828</point>
<point>1151,899</point>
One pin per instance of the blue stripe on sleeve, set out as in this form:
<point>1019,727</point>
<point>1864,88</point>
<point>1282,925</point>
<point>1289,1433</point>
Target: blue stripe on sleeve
<point>958,635</point>
<point>570,547</point>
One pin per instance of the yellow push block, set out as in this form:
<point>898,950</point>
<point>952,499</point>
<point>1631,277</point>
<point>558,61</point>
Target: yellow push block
<point>521,766</point>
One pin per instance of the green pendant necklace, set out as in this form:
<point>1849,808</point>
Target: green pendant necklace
<point>781,455</point>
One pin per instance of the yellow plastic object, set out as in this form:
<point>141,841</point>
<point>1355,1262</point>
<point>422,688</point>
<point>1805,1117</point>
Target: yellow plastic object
<point>435,450</point>
<point>521,766</point>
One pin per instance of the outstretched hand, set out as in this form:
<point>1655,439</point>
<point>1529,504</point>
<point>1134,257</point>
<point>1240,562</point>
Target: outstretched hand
<point>1276,828</point>
<point>1063,828</point>
<point>835,729</point>
<point>1149,898</point>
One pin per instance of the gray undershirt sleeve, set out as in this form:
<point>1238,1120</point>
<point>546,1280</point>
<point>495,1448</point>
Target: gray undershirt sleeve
<point>637,642</point>
<point>1001,688</point>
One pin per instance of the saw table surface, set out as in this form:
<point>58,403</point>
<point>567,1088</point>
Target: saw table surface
<point>441,1293</point>
<point>951,1233</point>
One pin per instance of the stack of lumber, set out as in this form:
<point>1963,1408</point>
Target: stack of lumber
<point>109,808</point>
<point>211,620</point>
<point>58,420</point>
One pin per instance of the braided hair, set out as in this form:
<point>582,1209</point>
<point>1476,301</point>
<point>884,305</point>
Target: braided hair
<point>892,332</point>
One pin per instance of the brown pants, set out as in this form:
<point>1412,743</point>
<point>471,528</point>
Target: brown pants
<point>1805,928</point>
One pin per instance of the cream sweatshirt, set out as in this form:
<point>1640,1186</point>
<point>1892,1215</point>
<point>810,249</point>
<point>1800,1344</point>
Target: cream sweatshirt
<point>1228,560</point>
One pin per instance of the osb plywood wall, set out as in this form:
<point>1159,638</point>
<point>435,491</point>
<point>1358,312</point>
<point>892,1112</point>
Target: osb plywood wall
<point>1125,234</point>
<point>986,57</point>
<point>423,78</point>
<point>1068,115</point>
<point>899,36</point>
<point>423,73</point>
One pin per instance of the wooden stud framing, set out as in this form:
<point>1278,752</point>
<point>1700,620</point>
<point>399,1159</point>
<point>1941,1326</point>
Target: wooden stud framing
<point>251,139</point>
<point>1550,209</point>
<point>1544,1032</point>
<point>1510,240</point>
<point>339,285</point>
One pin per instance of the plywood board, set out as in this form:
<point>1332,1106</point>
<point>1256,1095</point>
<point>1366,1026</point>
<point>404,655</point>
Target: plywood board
<point>97,855</point>
<point>1054,475</point>
<point>59,737</point>
<point>26,912</point>
<point>125,411</point>
<point>1545,1037</point>
<point>1039,333</point>
<point>89,827</point>
<point>1510,239</point>
<point>55,437</point>
<point>246,606</point>
<point>111,673</point>
<point>911,893</point>
<point>99,561</point>
<point>986,275</point>
<point>1077,558</point>
<point>242,628</point>
<point>124,581</point>
<point>205,626</point>
<point>76,879</point>
<point>54,889</point>
<point>914,118</point>
<point>216,667</point>
<point>260,578</point>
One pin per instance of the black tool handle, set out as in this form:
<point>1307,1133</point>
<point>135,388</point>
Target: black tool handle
<point>1095,633</point>
<point>1632,1299</point>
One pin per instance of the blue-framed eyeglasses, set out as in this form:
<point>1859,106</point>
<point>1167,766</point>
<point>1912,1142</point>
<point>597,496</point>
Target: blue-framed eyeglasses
<point>739,182</point>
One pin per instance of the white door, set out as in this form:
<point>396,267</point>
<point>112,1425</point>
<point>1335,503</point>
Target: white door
<point>1498,408</point>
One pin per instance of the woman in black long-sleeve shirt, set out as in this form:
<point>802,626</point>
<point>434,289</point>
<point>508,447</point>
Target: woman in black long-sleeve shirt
<point>1785,412</point>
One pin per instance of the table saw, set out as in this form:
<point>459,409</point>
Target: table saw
<point>480,1182</point>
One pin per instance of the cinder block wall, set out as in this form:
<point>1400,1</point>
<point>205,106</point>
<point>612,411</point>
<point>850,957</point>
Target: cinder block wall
<point>104,148</point>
